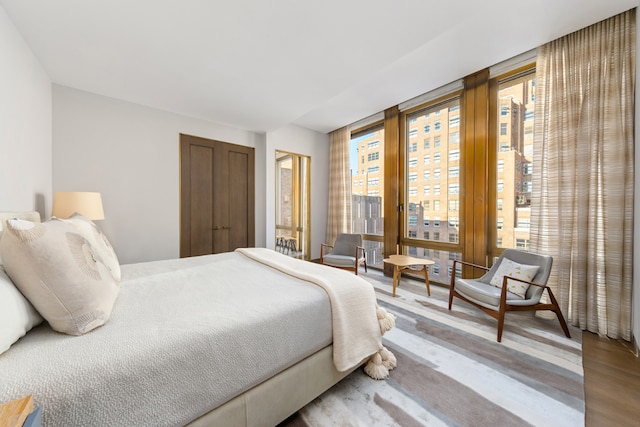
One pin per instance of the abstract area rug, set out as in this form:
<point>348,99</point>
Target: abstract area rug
<point>452,372</point>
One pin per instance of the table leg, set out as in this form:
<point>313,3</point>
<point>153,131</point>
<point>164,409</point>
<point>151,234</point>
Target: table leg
<point>395,278</point>
<point>426,278</point>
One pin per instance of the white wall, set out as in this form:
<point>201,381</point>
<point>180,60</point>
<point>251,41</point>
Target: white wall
<point>25,125</point>
<point>303,141</point>
<point>131,155</point>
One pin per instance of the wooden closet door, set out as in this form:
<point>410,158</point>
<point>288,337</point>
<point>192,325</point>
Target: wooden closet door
<point>217,198</point>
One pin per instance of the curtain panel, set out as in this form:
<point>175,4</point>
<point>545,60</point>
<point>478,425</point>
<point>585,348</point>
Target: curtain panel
<point>339,209</point>
<point>582,205</point>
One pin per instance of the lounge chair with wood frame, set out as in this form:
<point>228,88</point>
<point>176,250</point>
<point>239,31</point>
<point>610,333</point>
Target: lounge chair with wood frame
<point>347,252</point>
<point>496,301</point>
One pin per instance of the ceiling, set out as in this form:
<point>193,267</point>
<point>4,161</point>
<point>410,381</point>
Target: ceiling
<point>259,65</point>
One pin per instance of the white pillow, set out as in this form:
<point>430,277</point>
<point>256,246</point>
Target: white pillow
<point>17,315</point>
<point>59,272</point>
<point>519,271</point>
<point>99,241</point>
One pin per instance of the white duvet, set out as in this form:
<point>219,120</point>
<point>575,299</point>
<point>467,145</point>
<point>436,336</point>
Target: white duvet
<point>184,337</point>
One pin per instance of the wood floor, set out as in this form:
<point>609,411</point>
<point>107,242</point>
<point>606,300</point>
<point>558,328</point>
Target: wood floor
<point>611,382</point>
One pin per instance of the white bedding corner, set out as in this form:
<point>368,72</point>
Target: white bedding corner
<point>356,331</point>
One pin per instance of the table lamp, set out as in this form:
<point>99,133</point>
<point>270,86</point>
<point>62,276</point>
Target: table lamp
<point>87,204</point>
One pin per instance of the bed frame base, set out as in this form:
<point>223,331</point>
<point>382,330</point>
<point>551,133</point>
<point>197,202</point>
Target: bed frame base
<point>279,397</point>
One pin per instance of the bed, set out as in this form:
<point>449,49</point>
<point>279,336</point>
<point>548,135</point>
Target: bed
<point>237,339</point>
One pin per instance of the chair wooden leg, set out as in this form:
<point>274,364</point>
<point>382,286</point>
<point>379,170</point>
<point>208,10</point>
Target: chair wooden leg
<point>450,296</point>
<point>563,323</point>
<point>500,324</point>
<point>558,312</point>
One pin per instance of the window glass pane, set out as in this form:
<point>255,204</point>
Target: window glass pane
<point>441,270</point>
<point>367,186</point>
<point>514,160</point>
<point>374,253</point>
<point>438,188</point>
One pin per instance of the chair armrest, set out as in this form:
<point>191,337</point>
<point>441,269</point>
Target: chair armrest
<point>470,265</point>
<point>452,284</point>
<point>360,248</point>
<point>322,246</point>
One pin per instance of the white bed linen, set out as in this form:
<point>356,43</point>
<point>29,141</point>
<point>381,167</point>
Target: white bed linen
<point>356,331</point>
<point>184,337</point>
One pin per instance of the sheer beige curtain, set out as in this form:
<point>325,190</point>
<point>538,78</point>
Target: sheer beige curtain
<point>582,209</point>
<point>339,210</point>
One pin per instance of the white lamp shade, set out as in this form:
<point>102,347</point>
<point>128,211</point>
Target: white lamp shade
<point>87,204</point>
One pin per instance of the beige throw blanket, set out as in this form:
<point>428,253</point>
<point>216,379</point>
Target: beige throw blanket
<point>358,323</point>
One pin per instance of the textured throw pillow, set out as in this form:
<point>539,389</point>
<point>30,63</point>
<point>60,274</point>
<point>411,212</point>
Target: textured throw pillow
<point>27,215</point>
<point>59,272</point>
<point>98,240</point>
<point>519,271</point>
<point>17,315</point>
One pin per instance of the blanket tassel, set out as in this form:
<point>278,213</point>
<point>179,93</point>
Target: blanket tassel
<point>388,359</point>
<point>380,363</point>
<point>386,320</point>
<point>375,368</point>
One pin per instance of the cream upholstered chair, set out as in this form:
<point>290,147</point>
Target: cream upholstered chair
<point>347,252</point>
<point>515,282</point>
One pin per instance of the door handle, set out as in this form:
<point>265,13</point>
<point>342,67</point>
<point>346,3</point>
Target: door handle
<point>226,227</point>
<point>216,228</point>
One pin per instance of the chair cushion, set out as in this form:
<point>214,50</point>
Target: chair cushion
<point>513,269</point>
<point>338,260</point>
<point>483,294</point>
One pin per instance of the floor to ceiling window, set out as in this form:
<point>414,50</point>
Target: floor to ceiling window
<point>430,193</point>
<point>367,190</point>
<point>465,165</point>
<point>447,176</point>
<point>512,121</point>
